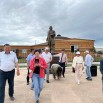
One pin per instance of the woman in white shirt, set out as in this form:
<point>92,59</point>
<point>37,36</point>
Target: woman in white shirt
<point>78,64</point>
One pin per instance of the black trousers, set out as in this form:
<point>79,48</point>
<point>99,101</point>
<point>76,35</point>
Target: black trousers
<point>63,66</point>
<point>27,76</point>
<point>3,77</point>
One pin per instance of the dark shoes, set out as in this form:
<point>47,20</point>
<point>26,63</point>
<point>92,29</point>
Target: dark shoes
<point>37,101</point>
<point>47,81</point>
<point>39,95</point>
<point>27,83</point>
<point>87,78</point>
<point>63,76</point>
<point>90,79</point>
<point>12,98</point>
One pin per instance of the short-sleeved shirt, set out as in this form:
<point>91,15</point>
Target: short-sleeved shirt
<point>47,57</point>
<point>7,61</point>
<point>30,57</point>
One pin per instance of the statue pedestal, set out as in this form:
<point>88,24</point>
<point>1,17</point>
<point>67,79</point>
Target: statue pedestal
<point>55,59</point>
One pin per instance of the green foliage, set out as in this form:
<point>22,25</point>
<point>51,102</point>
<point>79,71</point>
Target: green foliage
<point>22,60</point>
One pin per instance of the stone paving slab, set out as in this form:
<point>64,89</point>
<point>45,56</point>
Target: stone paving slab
<point>64,90</point>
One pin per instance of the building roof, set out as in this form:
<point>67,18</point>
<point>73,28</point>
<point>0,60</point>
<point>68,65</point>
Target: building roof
<point>46,43</point>
<point>61,37</point>
<point>58,37</point>
<point>66,38</point>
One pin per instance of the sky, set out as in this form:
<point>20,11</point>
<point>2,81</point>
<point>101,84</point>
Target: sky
<point>26,22</point>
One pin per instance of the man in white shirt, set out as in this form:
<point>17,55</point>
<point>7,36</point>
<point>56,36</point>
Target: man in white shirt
<point>88,63</point>
<point>48,58</point>
<point>8,61</point>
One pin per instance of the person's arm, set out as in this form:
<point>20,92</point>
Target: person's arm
<point>32,64</point>
<point>51,57</point>
<point>86,59</point>
<point>57,54</point>
<point>92,59</point>
<point>66,59</point>
<point>16,64</point>
<point>17,67</point>
<point>43,65</point>
<point>74,62</point>
<point>27,59</point>
<point>83,62</point>
<point>27,64</point>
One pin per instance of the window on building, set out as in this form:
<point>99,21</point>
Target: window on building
<point>74,48</point>
<point>15,50</point>
<point>24,50</point>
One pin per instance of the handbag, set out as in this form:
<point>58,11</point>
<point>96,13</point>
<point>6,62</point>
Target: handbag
<point>31,74</point>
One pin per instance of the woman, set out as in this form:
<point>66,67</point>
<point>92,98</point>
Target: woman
<point>78,64</point>
<point>37,66</point>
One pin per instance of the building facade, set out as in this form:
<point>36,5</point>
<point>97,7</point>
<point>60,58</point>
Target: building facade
<point>71,45</point>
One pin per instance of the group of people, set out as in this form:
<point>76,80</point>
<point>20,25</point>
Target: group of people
<point>38,63</point>
<point>79,63</point>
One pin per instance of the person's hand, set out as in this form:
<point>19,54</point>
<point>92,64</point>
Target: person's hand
<point>36,64</point>
<point>27,67</point>
<point>40,65</point>
<point>18,72</point>
<point>82,68</point>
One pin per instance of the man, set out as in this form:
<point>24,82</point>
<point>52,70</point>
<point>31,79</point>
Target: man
<point>62,60</point>
<point>48,58</point>
<point>101,70</point>
<point>101,67</point>
<point>88,63</point>
<point>29,58</point>
<point>8,61</point>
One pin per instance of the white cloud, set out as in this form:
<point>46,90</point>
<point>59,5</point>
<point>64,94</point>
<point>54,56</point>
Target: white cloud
<point>23,21</point>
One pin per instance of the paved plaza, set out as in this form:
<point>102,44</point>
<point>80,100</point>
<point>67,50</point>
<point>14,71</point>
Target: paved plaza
<point>64,90</point>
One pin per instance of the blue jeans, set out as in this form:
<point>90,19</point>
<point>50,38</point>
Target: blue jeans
<point>38,85</point>
<point>3,77</point>
<point>88,72</point>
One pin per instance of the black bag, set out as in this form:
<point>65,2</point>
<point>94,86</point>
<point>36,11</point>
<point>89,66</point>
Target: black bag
<point>73,69</point>
<point>93,70</point>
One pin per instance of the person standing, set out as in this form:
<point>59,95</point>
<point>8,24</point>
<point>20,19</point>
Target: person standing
<point>29,58</point>
<point>101,67</point>
<point>78,65</point>
<point>101,70</point>
<point>88,63</point>
<point>8,61</point>
<point>62,60</point>
<point>38,65</point>
<point>48,58</point>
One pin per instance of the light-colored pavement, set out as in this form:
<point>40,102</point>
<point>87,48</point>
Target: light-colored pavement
<point>64,90</point>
